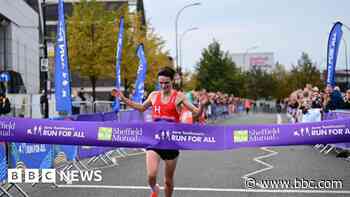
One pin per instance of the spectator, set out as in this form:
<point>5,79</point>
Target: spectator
<point>83,101</point>
<point>347,100</point>
<point>43,101</point>
<point>305,102</point>
<point>326,100</point>
<point>316,98</point>
<point>335,100</point>
<point>293,106</point>
<point>278,106</point>
<point>88,98</point>
<point>112,95</point>
<point>5,105</point>
<point>112,98</point>
<point>76,101</point>
<point>81,94</point>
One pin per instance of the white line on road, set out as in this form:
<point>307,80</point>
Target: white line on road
<point>207,189</point>
<point>258,159</point>
<point>268,166</point>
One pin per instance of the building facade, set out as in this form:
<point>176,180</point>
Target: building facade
<point>103,85</point>
<point>51,11</point>
<point>342,78</point>
<point>248,61</point>
<point>19,47</point>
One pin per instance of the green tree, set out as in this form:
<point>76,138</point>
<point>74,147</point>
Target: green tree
<point>91,42</point>
<point>281,77</point>
<point>216,71</point>
<point>92,39</point>
<point>304,72</point>
<point>259,84</point>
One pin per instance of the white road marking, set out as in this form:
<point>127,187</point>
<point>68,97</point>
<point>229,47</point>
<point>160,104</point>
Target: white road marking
<point>258,159</point>
<point>268,166</point>
<point>207,189</point>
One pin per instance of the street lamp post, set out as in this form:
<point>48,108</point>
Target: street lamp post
<point>45,55</point>
<point>180,44</point>
<point>346,56</point>
<point>176,30</point>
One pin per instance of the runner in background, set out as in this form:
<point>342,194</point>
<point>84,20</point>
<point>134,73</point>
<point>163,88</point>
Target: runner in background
<point>247,105</point>
<point>202,118</point>
<point>186,114</point>
<point>193,97</point>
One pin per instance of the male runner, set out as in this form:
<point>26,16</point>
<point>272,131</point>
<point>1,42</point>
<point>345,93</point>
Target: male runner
<point>166,105</point>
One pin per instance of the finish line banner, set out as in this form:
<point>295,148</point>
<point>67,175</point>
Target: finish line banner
<point>163,135</point>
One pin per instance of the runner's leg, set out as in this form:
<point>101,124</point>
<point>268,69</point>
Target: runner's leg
<point>152,164</point>
<point>170,166</point>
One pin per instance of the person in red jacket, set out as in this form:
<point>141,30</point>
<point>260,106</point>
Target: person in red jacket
<point>166,106</point>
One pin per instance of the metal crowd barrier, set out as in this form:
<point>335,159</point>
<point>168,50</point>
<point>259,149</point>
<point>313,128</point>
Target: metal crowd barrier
<point>102,106</point>
<point>6,188</point>
<point>327,148</point>
<point>87,107</point>
<point>104,160</point>
<point>313,116</point>
<point>107,159</point>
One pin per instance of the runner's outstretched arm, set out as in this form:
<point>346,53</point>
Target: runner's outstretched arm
<point>138,106</point>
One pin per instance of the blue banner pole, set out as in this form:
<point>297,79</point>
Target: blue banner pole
<point>332,52</point>
<point>116,105</point>
<point>141,75</point>
<point>62,75</point>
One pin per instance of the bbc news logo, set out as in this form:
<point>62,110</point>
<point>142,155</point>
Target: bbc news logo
<point>51,176</point>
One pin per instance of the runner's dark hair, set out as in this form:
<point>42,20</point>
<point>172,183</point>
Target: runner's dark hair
<point>167,72</point>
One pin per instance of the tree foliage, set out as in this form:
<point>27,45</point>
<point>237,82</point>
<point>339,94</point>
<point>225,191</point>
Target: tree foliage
<point>92,40</point>
<point>304,72</point>
<point>259,84</point>
<point>216,71</point>
<point>281,77</point>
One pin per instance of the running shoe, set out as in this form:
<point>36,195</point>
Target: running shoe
<point>155,193</point>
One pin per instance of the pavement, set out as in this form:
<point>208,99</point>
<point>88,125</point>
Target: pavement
<point>222,173</point>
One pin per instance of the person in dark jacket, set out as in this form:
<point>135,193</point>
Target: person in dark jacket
<point>346,105</point>
<point>5,105</point>
<point>335,100</point>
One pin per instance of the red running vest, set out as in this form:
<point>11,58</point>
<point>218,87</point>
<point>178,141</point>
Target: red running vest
<point>165,111</point>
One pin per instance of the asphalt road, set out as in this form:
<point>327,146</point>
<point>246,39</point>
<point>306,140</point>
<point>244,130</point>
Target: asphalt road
<point>223,173</point>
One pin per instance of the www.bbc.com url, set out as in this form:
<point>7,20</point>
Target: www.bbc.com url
<point>302,183</point>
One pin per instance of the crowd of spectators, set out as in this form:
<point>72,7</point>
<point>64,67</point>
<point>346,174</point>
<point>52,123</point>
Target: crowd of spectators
<point>220,105</point>
<point>302,101</point>
<point>331,98</point>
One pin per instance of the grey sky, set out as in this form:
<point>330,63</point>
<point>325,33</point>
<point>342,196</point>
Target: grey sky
<point>285,27</point>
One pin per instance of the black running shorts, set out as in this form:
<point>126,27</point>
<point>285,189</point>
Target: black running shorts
<point>166,154</point>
